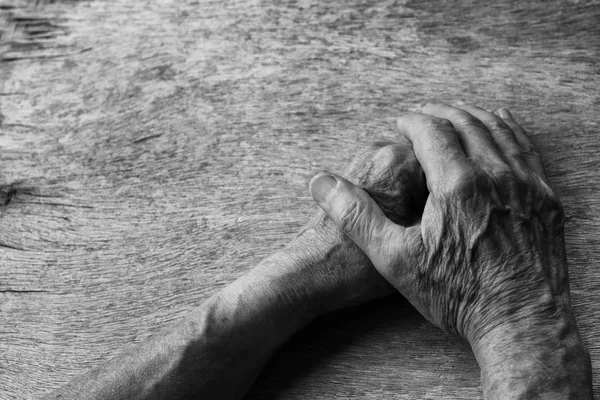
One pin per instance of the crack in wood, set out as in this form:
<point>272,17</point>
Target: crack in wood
<point>7,193</point>
<point>8,246</point>
<point>56,204</point>
<point>40,56</point>
<point>24,27</point>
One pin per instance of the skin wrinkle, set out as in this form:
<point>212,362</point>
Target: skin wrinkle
<point>502,257</point>
<point>457,296</point>
<point>405,191</point>
<point>349,217</point>
<point>491,265</point>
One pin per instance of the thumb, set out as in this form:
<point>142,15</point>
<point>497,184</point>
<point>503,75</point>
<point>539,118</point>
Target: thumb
<point>359,217</point>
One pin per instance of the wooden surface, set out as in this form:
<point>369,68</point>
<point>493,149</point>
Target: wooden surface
<point>152,152</point>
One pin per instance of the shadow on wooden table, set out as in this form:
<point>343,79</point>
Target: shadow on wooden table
<point>362,350</point>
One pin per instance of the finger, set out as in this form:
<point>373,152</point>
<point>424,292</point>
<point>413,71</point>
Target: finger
<point>359,217</point>
<point>503,136</point>
<point>532,156</point>
<point>436,146</point>
<point>474,136</point>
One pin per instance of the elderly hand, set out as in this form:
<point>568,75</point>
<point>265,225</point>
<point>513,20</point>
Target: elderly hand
<point>342,274</point>
<point>487,260</point>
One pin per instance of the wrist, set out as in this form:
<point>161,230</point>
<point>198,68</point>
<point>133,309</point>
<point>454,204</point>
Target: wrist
<point>346,276</point>
<point>325,270</point>
<point>280,285</point>
<point>534,359</point>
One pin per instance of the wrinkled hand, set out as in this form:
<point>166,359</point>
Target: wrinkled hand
<point>391,174</point>
<point>489,247</point>
<point>487,260</point>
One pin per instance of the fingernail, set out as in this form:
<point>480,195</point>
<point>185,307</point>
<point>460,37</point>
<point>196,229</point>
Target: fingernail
<point>504,113</point>
<point>322,186</point>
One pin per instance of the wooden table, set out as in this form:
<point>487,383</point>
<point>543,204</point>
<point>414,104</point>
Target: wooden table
<point>152,152</point>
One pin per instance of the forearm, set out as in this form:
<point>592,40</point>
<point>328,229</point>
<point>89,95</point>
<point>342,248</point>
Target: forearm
<point>216,351</point>
<point>535,361</point>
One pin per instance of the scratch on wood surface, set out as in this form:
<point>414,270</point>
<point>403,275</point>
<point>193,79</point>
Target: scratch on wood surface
<point>8,246</point>
<point>57,204</point>
<point>145,138</point>
<point>21,126</point>
<point>12,57</point>
<point>6,194</point>
<point>27,27</point>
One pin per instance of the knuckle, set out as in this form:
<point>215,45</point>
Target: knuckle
<point>519,165</point>
<point>429,122</point>
<point>465,119</point>
<point>350,217</point>
<point>389,157</point>
<point>385,154</point>
<point>504,176</point>
<point>496,125</point>
<point>442,123</point>
<point>464,183</point>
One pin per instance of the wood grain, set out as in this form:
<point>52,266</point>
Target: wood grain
<point>152,152</point>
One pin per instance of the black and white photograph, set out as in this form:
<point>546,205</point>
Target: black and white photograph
<point>299,199</point>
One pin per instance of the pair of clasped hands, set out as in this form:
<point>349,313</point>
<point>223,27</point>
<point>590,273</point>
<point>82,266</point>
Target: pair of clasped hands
<point>457,215</point>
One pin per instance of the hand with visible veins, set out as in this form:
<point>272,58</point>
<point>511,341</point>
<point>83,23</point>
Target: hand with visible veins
<point>487,260</point>
<point>390,173</point>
